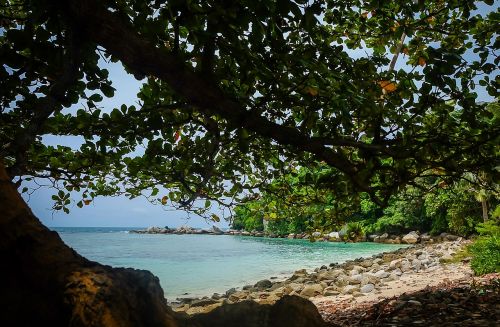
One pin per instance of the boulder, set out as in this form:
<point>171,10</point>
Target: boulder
<point>367,288</point>
<point>411,238</point>
<point>316,234</point>
<point>355,279</point>
<point>263,284</point>
<point>381,274</point>
<point>290,311</point>
<point>334,235</point>
<point>395,264</point>
<point>416,264</point>
<point>312,290</point>
<point>381,238</point>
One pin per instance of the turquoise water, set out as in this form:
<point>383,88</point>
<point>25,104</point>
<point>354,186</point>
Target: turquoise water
<point>198,265</point>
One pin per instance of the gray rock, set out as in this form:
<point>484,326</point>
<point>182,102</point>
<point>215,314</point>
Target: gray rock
<point>411,238</point>
<point>383,237</point>
<point>381,274</point>
<point>416,264</point>
<point>263,284</point>
<point>367,288</point>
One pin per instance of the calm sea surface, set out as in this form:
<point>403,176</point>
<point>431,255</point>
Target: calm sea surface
<point>198,265</point>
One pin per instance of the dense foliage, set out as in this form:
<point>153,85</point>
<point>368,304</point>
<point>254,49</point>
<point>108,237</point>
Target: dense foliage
<point>378,94</point>
<point>486,249</point>
<point>290,206</point>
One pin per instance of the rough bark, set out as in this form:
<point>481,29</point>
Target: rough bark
<point>46,283</point>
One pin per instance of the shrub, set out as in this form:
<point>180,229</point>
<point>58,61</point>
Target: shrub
<point>486,249</point>
<point>485,255</point>
<point>354,231</point>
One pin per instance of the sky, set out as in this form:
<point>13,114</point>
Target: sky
<point>120,211</point>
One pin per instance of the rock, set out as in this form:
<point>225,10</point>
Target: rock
<point>217,230</point>
<point>416,264</point>
<point>367,288</point>
<point>334,235</point>
<point>311,290</point>
<point>395,264</point>
<point>291,236</point>
<point>425,237</point>
<point>203,302</point>
<point>369,278</point>
<point>263,284</point>
<point>316,234</point>
<point>381,274</point>
<point>296,287</point>
<point>355,279</point>
<point>450,237</point>
<point>238,296</point>
<point>350,289</point>
<point>330,291</point>
<point>383,237</point>
<point>341,281</point>
<point>372,237</point>
<point>290,311</point>
<point>446,257</point>
<point>230,291</point>
<point>411,238</point>
<point>405,266</point>
<point>366,263</point>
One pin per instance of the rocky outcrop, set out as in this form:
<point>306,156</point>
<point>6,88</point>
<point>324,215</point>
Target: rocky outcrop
<point>290,311</point>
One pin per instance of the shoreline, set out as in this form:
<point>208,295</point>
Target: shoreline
<point>412,237</point>
<point>353,283</point>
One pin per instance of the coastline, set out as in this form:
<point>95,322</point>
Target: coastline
<point>413,237</point>
<point>353,283</point>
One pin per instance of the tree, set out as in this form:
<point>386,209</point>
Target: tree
<point>238,92</point>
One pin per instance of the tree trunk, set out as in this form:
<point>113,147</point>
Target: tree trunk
<point>46,283</point>
<point>484,204</point>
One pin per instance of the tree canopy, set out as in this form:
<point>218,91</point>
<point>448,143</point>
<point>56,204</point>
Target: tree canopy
<point>237,93</point>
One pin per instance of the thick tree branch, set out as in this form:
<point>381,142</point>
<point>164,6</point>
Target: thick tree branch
<point>107,29</point>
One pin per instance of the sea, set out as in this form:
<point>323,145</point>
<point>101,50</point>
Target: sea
<point>200,265</point>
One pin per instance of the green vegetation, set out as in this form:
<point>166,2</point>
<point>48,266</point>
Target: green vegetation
<point>486,249</point>
<point>292,206</point>
<point>376,94</point>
